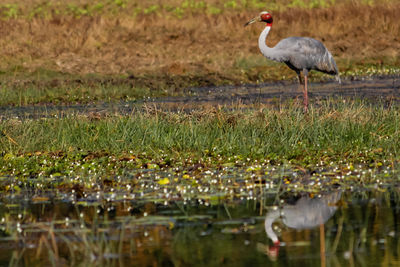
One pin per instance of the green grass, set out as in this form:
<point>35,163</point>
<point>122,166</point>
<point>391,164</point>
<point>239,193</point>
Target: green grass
<point>338,132</point>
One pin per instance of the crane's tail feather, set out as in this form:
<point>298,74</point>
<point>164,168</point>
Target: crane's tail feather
<point>334,69</point>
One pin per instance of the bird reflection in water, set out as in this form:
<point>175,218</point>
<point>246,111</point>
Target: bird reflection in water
<point>306,213</point>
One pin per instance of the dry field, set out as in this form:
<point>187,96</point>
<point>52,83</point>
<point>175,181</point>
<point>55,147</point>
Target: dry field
<point>195,45</point>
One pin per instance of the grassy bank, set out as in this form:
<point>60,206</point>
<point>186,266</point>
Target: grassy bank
<point>157,48</point>
<point>333,132</point>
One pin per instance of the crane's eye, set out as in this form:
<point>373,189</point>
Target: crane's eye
<point>266,18</point>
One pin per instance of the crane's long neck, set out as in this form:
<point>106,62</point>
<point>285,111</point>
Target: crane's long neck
<point>269,220</point>
<point>268,52</point>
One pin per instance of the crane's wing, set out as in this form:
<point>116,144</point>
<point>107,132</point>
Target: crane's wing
<point>307,53</point>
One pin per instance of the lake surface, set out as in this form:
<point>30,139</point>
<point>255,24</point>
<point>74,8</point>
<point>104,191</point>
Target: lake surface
<point>332,229</point>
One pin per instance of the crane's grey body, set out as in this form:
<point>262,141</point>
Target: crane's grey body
<point>301,53</point>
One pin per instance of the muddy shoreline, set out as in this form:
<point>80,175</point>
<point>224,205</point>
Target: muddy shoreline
<point>375,90</point>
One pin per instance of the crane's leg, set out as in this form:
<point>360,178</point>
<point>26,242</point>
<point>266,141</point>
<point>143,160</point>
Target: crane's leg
<point>300,81</point>
<point>322,249</point>
<point>305,90</point>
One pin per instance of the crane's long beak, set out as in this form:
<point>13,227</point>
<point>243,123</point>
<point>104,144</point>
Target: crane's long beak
<point>256,19</point>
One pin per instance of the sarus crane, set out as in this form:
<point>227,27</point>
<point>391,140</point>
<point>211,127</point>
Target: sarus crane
<point>301,54</point>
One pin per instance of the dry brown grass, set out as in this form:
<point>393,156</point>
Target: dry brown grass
<point>197,44</point>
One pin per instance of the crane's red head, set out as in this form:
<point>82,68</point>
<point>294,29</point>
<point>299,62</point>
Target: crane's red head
<point>266,17</point>
<point>263,17</point>
<point>273,252</point>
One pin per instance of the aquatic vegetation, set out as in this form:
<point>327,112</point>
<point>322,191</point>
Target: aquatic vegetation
<point>80,145</point>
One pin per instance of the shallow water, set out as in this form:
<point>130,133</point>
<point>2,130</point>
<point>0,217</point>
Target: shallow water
<point>332,229</point>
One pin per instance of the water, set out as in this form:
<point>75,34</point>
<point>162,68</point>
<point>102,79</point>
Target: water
<point>332,229</point>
